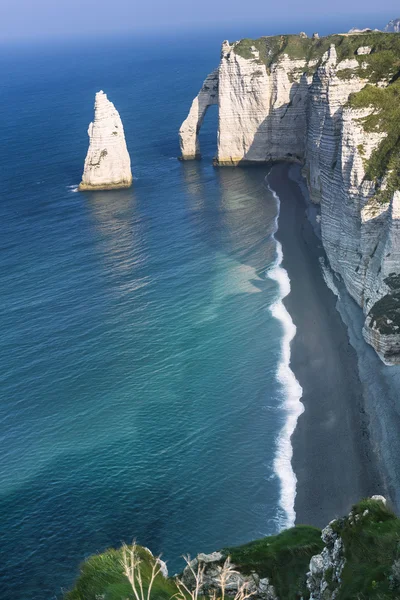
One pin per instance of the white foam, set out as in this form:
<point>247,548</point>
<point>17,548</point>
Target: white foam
<point>293,391</point>
<point>72,188</point>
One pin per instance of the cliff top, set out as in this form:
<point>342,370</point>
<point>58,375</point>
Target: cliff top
<point>385,48</point>
<point>378,57</point>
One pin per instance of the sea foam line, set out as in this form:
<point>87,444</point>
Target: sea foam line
<point>293,390</point>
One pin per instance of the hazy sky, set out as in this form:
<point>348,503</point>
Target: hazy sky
<point>23,19</point>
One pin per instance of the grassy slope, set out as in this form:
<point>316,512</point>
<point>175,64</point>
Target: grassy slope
<point>384,58</point>
<point>372,544</point>
<point>101,576</point>
<point>283,558</point>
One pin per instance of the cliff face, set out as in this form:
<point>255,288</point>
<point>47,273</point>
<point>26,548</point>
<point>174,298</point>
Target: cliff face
<point>107,163</point>
<point>330,104</point>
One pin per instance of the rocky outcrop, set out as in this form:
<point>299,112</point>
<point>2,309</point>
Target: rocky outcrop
<point>325,575</point>
<point>276,105</point>
<point>217,575</point>
<point>393,26</point>
<point>107,164</point>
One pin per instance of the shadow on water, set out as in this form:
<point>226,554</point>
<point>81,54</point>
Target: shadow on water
<point>114,215</point>
<point>72,492</point>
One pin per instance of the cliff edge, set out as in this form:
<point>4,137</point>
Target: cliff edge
<point>333,105</point>
<point>353,557</point>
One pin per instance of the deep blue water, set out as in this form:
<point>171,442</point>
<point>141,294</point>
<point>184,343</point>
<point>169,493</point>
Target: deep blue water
<point>139,355</point>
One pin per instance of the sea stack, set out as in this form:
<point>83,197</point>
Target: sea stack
<point>107,164</point>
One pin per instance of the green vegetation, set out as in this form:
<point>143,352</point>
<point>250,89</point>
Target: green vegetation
<point>283,558</point>
<point>385,314</point>
<point>383,62</point>
<point>102,576</point>
<point>393,281</point>
<point>384,164</point>
<point>372,545</point>
<point>371,538</point>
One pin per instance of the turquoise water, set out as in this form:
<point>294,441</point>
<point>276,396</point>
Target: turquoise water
<point>139,366</point>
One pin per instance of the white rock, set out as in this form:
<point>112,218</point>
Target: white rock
<point>393,26</point>
<point>364,50</point>
<point>379,498</point>
<point>209,558</point>
<point>107,163</point>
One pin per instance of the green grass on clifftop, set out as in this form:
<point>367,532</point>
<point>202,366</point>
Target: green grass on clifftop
<point>384,164</point>
<point>383,62</point>
<point>101,577</point>
<point>372,545</point>
<point>283,558</point>
<point>371,538</point>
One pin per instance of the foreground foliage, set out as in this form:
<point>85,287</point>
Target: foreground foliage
<point>283,558</point>
<point>371,537</point>
<point>372,550</point>
<point>103,576</point>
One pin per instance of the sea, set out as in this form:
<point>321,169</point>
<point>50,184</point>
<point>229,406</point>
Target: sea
<point>145,387</point>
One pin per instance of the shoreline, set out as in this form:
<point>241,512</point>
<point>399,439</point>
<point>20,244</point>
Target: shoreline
<point>333,456</point>
<point>293,405</point>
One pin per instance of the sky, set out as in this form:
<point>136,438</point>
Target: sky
<point>49,19</point>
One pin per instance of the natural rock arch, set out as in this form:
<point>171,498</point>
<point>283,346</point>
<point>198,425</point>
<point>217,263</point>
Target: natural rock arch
<point>189,131</point>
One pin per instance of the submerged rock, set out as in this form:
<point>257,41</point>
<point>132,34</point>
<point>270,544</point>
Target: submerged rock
<point>107,164</point>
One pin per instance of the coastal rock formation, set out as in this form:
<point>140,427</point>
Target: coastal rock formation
<point>324,576</point>
<point>211,566</point>
<point>393,26</point>
<point>107,164</point>
<point>188,133</point>
<point>262,115</point>
<point>310,101</point>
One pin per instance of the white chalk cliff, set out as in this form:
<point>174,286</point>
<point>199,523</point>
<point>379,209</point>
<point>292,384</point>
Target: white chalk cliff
<point>107,164</point>
<point>283,106</point>
<point>393,26</point>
